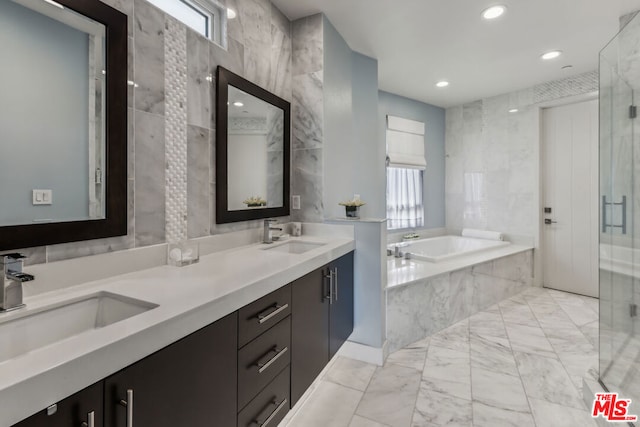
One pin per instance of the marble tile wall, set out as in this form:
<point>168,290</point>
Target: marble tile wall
<point>171,138</point>
<point>423,308</point>
<point>492,157</point>
<point>307,116</point>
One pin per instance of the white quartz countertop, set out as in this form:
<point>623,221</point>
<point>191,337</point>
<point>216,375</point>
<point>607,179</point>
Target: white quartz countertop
<point>188,299</point>
<point>401,272</point>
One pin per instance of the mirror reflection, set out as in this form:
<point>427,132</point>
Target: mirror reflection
<point>255,148</point>
<point>52,82</point>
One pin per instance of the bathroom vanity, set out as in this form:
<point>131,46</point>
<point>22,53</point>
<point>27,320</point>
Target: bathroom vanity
<point>233,340</point>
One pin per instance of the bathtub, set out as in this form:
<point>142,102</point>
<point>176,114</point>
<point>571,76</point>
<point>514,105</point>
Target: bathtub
<point>443,248</point>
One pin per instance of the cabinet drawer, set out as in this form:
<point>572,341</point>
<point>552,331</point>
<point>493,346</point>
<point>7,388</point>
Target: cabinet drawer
<point>260,315</point>
<point>270,406</point>
<point>262,359</point>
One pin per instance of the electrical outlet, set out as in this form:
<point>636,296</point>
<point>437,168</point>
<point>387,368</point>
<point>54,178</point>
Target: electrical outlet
<point>295,202</point>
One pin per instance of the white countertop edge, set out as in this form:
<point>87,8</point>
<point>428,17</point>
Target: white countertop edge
<point>32,382</point>
<point>427,270</point>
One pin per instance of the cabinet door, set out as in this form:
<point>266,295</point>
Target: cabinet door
<point>309,330</point>
<point>72,411</point>
<point>341,317</point>
<point>190,383</point>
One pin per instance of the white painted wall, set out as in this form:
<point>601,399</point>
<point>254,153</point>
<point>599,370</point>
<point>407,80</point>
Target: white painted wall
<point>247,169</point>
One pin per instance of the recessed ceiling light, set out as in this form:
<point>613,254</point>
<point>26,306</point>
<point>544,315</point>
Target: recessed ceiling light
<point>494,12</point>
<point>553,54</point>
<point>442,83</point>
<point>231,13</point>
<point>514,110</point>
<point>54,3</point>
<point>238,104</point>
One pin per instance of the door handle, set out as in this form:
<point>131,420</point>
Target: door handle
<point>549,222</point>
<point>129,405</point>
<point>91,420</point>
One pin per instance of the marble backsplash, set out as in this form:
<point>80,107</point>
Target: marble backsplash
<point>171,138</point>
<point>427,306</point>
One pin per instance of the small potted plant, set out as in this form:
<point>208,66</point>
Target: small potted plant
<point>352,207</point>
<point>255,202</point>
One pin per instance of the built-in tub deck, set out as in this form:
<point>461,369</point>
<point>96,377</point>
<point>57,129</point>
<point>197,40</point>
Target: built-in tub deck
<point>425,297</point>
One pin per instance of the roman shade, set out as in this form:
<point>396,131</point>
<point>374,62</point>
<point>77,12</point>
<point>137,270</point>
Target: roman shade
<point>405,143</point>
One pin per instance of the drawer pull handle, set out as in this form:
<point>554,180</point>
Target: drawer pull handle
<point>91,420</point>
<point>335,279</point>
<point>263,366</point>
<point>262,317</point>
<point>129,405</point>
<point>273,414</point>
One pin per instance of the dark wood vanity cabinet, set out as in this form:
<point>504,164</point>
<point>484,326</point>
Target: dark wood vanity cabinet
<point>245,369</point>
<point>190,383</point>
<point>72,411</point>
<point>322,320</point>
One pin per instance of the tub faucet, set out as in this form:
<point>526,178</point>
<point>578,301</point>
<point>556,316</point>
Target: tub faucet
<point>11,281</point>
<point>268,235</point>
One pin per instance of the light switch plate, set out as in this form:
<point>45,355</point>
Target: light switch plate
<point>42,197</point>
<point>295,202</point>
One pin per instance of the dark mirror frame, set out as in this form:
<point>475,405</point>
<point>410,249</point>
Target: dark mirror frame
<point>115,221</point>
<point>223,214</point>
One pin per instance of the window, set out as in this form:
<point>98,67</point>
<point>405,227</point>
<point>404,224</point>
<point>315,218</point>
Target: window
<point>204,16</point>
<point>405,177</point>
<point>405,208</point>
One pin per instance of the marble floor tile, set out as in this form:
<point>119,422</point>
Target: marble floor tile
<point>455,337</point>
<point>546,379</point>
<point>498,390</point>
<point>487,323</point>
<point>331,405</point>
<point>409,357</point>
<point>359,421</point>
<point>488,416</point>
<point>437,409</point>
<point>548,414</point>
<point>529,340</point>
<point>351,373</point>
<point>517,312</point>
<point>551,315</point>
<point>446,364</point>
<point>458,389</point>
<point>493,354</point>
<point>391,396</point>
<point>497,368</point>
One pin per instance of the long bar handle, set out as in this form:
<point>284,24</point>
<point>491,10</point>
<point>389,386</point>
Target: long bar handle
<point>262,317</point>
<point>264,366</point>
<point>91,420</point>
<point>329,295</point>
<point>335,284</point>
<point>129,405</point>
<point>273,414</point>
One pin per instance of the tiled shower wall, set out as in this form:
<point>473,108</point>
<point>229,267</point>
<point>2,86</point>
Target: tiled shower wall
<point>492,157</point>
<point>172,119</point>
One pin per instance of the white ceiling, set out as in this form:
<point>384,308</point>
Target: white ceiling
<point>418,42</point>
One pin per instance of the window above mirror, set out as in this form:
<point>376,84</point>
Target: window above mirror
<point>208,17</point>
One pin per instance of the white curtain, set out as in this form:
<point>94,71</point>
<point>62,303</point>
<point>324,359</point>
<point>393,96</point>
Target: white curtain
<point>404,198</point>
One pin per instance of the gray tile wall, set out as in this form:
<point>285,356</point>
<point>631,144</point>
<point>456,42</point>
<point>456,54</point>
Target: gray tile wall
<point>492,157</point>
<point>259,48</point>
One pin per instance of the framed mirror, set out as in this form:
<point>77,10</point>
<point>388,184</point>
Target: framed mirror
<point>63,151</point>
<point>253,135</point>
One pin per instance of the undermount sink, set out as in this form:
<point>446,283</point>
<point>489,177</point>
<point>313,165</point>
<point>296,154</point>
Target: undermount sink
<point>22,334</point>
<point>295,247</point>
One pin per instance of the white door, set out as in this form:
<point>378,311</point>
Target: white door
<point>570,191</point>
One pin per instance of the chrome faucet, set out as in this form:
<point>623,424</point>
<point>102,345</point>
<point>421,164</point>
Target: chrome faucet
<point>268,235</point>
<point>11,280</point>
